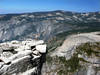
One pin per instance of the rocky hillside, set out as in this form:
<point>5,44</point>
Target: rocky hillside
<point>71,48</point>
<point>22,57</point>
<point>43,25</point>
<point>79,54</point>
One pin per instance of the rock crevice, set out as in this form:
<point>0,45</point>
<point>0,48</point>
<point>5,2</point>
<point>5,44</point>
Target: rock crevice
<point>22,57</point>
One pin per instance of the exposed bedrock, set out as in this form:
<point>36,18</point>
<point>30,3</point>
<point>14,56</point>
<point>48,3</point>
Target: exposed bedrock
<point>22,57</point>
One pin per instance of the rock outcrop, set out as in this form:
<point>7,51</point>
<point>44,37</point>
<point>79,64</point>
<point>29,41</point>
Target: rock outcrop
<point>68,47</point>
<point>78,55</point>
<point>22,57</point>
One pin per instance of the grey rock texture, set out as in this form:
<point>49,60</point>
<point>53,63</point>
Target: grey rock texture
<point>66,59</point>
<point>68,47</point>
<point>43,25</point>
<point>22,57</point>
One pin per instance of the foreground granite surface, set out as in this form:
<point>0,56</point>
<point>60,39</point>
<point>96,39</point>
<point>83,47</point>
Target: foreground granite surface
<point>22,57</point>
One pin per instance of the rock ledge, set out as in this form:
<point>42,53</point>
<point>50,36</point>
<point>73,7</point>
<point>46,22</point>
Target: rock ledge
<point>22,57</point>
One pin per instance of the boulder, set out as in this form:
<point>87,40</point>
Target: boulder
<point>41,48</point>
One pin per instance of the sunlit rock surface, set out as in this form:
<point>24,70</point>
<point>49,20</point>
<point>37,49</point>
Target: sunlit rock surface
<point>69,45</point>
<point>22,57</point>
<point>71,59</point>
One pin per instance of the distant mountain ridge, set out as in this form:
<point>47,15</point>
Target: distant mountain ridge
<point>44,25</point>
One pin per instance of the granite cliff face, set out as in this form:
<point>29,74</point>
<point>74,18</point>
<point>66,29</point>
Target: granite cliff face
<point>22,57</point>
<point>43,25</point>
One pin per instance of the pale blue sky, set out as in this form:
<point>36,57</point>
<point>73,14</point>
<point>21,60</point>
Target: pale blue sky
<point>19,6</point>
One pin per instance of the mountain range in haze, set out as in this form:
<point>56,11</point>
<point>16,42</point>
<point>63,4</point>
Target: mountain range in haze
<point>45,25</point>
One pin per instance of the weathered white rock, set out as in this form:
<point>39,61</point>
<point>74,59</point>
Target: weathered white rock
<point>19,58</point>
<point>41,48</point>
<point>33,42</point>
<point>72,41</point>
<point>5,60</point>
<point>20,54</point>
<point>36,52</point>
<point>79,56</point>
<point>14,42</point>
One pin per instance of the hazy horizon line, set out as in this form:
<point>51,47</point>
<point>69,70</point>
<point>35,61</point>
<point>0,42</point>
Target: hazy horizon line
<point>25,12</point>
